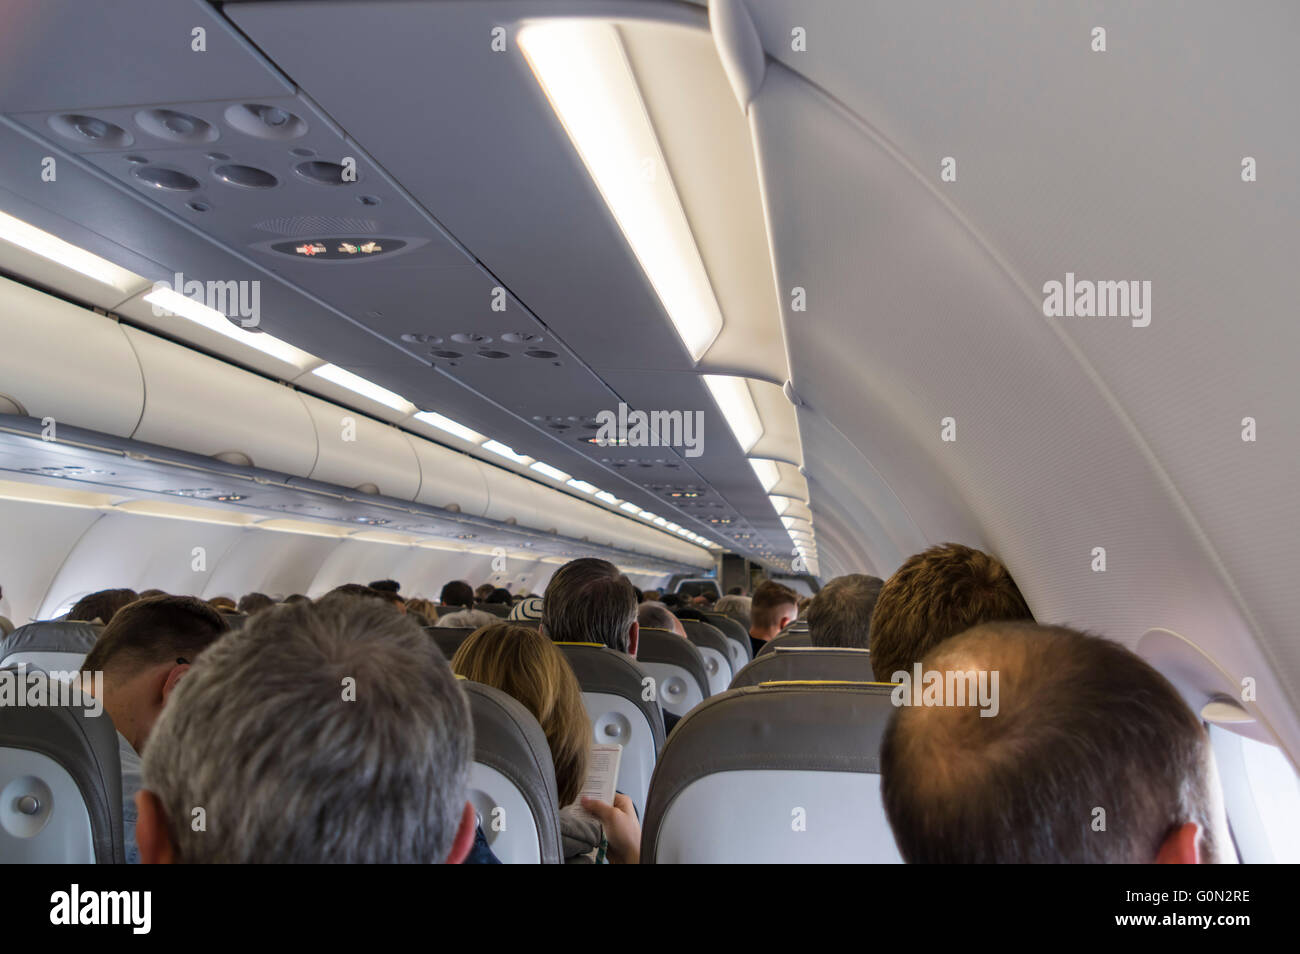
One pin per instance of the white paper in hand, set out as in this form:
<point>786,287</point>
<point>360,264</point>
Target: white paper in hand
<point>602,777</point>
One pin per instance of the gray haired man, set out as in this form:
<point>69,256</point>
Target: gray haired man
<point>327,733</point>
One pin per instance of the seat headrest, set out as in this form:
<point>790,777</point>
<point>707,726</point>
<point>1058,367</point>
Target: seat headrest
<point>509,739</point>
<point>85,745</point>
<point>666,647</point>
<point>51,636</point>
<point>787,663</point>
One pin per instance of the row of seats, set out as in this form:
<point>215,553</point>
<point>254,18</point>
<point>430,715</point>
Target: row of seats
<point>728,737</point>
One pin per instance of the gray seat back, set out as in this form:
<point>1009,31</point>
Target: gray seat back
<point>60,779</point>
<point>623,711</point>
<point>716,650</point>
<point>448,638</point>
<point>681,676</point>
<point>734,631</point>
<point>51,645</point>
<point>787,637</point>
<point>496,609</point>
<point>781,772</point>
<point>512,780</point>
<point>738,651</point>
<point>786,663</point>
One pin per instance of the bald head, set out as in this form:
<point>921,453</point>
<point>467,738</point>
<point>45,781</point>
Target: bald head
<point>1092,756</point>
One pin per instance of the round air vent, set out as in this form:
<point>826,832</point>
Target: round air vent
<point>264,122</point>
<point>87,129</point>
<point>446,354</point>
<point>521,337</point>
<point>175,126</point>
<point>539,353</point>
<point>322,173</point>
<point>162,177</point>
<point>470,337</point>
<point>413,338</point>
<point>497,355</point>
<point>246,177</point>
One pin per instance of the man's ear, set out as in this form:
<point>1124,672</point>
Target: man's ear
<point>1179,847</point>
<point>173,677</point>
<point>633,637</point>
<point>151,834</point>
<point>464,835</point>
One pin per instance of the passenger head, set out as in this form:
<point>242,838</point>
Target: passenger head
<point>500,595</point>
<point>936,594</point>
<point>250,603</point>
<point>1092,756</point>
<point>386,586</point>
<point>840,614</point>
<point>145,594</point>
<point>650,596</point>
<point>589,601</point>
<point>297,598</point>
<point>524,664</point>
<point>223,604</point>
<point>354,589</point>
<point>332,732</point>
<point>457,593</point>
<point>658,616</point>
<point>466,619</point>
<point>425,613</point>
<point>734,606</point>
<point>773,608</point>
<point>101,606</point>
<point>145,650</point>
<point>530,607</point>
<point>482,592</point>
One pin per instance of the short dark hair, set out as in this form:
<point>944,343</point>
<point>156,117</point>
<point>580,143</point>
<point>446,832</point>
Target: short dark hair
<point>250,603</point>
<point>589,601</point>
<point>1082,723</point>
<point>161,629</point>
<point>840,614</point>
<point>101,605</point>
<point>499,595</point>
<point>390,586</point>
<point>457,593</point>
<point>934,595</point>
<point>355,589</point>
<point>769,597</point>
<point>297,598</point>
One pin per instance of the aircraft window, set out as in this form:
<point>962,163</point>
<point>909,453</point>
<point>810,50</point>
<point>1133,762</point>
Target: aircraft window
<point>1262,796</point>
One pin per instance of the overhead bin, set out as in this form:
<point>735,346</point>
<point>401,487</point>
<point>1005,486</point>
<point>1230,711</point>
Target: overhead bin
<point>61,361</point>
<point>199,404</point>
<point>449,479</point>
<point>359,452</point>
<point>513,499</point>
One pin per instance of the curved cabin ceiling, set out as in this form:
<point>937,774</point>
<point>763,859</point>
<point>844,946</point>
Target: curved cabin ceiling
<point>902,307</point>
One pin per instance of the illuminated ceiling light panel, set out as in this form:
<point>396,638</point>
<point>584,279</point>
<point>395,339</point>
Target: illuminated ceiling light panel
<point>766,471</point>
<point>359,385</point>
<point>581,66</point>
<point>434,419</point>
<point>553,472</point>
<point>631,508</point>
<point>647,515</point>
<point>737,407</point>
<point>606,496</point>
<point>582,485</point>
<point>170,300</point>
<point>660,522</point>
<point>42,243</point>
<point>500,449</point>
<point>779,504</point>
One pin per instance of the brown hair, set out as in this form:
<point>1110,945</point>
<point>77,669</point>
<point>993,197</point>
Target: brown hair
<point>158,630</point>
<point>589,601</point>
<point>768,599</point>
<point>840,614</point>
<point>524,664</point>
<point>1082,724</point>
<point>936,594</point>
<point>101,605</point>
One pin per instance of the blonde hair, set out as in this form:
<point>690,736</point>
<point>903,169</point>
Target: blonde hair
<point>524,664</point>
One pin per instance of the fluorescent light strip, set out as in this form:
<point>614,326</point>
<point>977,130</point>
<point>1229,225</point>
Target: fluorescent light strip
<point>767,473</point>
<point>500,449</point>
<point>553,472</point>
<point>42,243</point>
<point>647,515</point>
<point>606,496</point>
<point>582,485</point>
<point>631,508</point>
<point>583,69</point>
<point>435,419</point>
<point>170,300</point>
<point>779,504</point>
<point>359,385</point>
<point>737,406</point>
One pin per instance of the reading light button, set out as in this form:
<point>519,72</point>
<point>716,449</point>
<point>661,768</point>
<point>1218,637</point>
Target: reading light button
<point>29,805</point>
